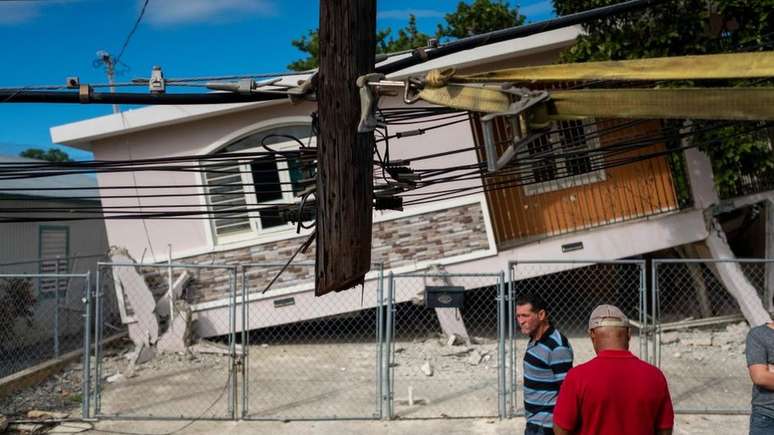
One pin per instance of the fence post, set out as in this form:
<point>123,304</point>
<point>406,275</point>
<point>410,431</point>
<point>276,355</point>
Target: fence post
<point>245,343</point>
<point>502,388</point>
<point>380,342</point>
<point>97,344</point>
<point>56,309</point>
<point>512,352</point>
<point>170,293</point>
<point>86,376</point>
<point>232,344</point>
<point>656,308</point>
<point>386,374</point>
<point>643,315</point>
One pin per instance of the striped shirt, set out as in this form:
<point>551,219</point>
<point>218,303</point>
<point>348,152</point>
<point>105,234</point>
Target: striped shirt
<point>546,362</point>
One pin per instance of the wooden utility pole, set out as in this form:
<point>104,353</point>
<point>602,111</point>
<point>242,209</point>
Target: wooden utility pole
<point>344,160</point>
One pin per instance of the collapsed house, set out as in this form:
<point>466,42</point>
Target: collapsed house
<point>613,213</point>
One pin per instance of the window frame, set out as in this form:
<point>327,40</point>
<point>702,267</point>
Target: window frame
<point>559,164</point>
<point>256,229</point>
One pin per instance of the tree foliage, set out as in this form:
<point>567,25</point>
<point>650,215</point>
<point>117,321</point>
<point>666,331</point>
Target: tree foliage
<point>469,19</point>
<point>309,44</point>
<point>17,301</point>
<point>481,16</point>
<point>409,38</point>
<point>686,27</point>
<point>51,155</point>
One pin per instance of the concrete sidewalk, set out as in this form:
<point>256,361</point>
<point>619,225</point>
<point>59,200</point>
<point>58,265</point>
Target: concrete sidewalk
<point>685,424</point>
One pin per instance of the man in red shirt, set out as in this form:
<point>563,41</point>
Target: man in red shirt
<point>616,392</point>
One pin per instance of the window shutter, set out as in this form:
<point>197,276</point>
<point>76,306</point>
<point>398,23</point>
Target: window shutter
<point>53,244</point>
<point>226,197</point>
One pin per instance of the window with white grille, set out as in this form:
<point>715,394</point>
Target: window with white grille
<point>563,157</point>
<point>226,196</point>
<point>249,196</point>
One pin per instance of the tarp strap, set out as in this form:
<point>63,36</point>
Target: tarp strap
<point>703,67</point>
<point>745,104</point>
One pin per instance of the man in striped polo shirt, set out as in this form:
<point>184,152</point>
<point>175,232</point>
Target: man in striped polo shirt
<point>547,360</point>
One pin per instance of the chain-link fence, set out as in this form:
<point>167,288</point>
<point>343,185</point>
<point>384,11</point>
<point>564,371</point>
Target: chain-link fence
<point>701,330</point>
<point>181,361</point>
<point>447,353</point>
<point>572,290</point>
<point>41,317</point>
<point>420,345</point>
<point>309,357</point>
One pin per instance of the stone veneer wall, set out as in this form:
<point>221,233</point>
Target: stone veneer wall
<point>398,242</point>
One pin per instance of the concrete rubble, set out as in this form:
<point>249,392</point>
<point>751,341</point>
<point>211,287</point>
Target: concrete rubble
<point>71,427</point>
<point>698,338</point>
<point>26,427</point>
<point>60,392</point>
<point>475,358</point>
<point>732,336</point>
<point>427,368</point>
<point>720,347</point>
<point>46,415</point>
<point>118,377</point>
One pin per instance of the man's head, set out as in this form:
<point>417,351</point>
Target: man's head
<point>609,328</point>
<point>532,314</point>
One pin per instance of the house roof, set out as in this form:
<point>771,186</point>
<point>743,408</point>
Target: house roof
<point>80,134</point>
<point>87,182</point>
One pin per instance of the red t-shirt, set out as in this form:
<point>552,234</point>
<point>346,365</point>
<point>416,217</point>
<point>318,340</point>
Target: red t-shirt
<point>614,393</point>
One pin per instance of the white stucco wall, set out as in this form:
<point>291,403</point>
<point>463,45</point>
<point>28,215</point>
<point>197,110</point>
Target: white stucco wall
<point>151,239</point>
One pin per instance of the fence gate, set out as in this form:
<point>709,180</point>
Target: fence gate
<point>447,354</point>
<point>572,290</point>
<point>309,357</point>
<point>186,365</point>
<point>701,330</point>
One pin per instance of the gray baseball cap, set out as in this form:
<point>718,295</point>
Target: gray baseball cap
<point>608,315</point>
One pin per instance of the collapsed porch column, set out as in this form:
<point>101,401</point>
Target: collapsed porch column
<point>730,274</point>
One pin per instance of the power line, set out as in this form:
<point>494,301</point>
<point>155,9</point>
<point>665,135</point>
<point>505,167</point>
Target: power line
<point>131,33</point>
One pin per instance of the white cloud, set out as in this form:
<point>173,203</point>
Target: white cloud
<point>162,12</point>
<point>539,8</point>
<point>404,13</point>
<point>18,12</point>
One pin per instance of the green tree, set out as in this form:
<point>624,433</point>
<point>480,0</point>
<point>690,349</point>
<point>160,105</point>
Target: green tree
<point>481,16</point>
<point>687,27</point>
<point>469,19</point>
<point>409,38</point>
<point>309,44</point>
<point>51,155</point>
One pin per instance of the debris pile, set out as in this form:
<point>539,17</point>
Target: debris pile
<point>719,345</point>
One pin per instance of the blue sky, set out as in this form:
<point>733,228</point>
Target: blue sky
<point>45,41</point>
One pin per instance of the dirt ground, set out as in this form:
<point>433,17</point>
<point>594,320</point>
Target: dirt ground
<point>684,424</point>
<point>431,380</point>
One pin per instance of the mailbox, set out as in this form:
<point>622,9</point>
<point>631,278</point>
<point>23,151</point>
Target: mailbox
<point>444,296</point>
